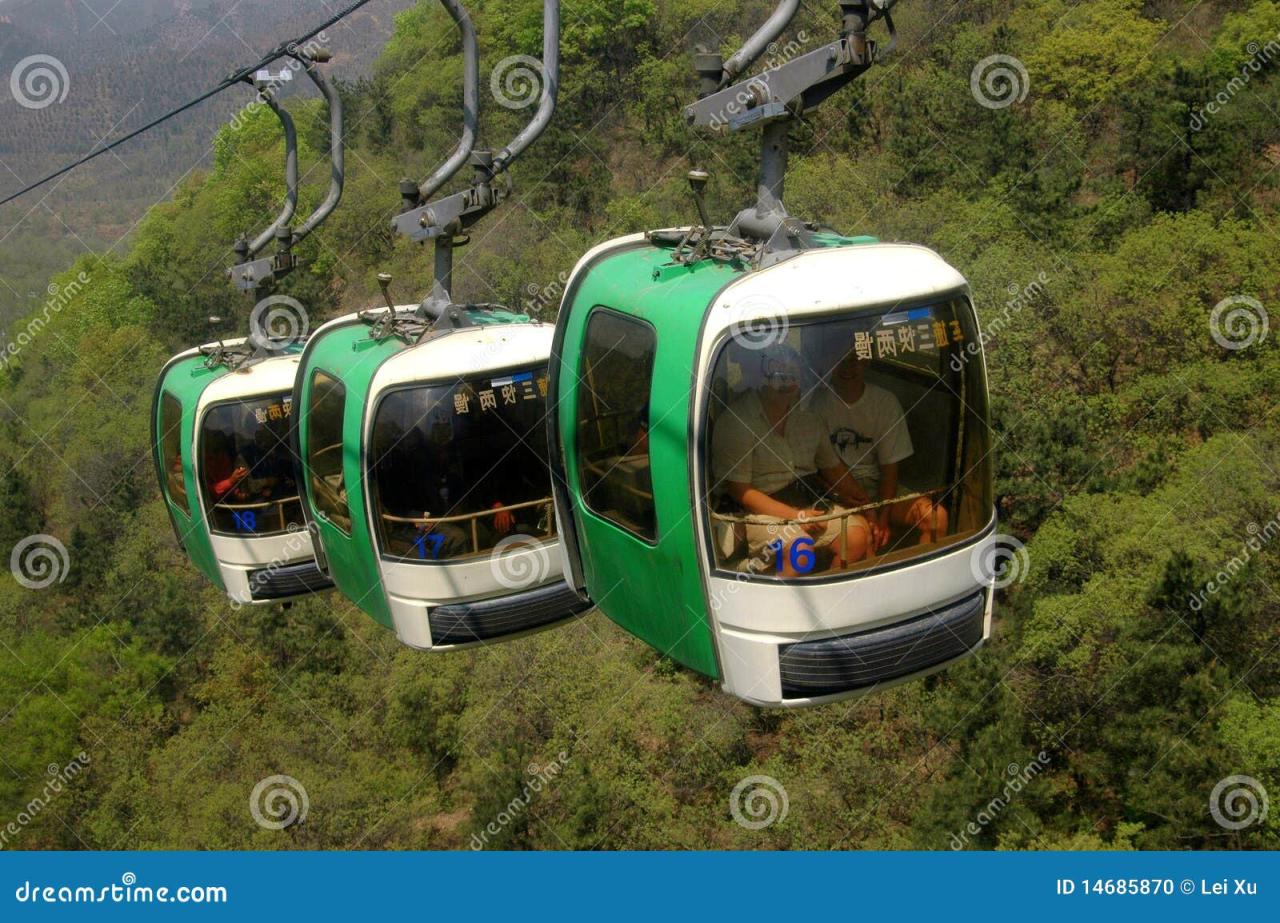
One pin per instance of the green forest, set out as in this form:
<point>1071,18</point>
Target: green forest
<point>1119,222</point>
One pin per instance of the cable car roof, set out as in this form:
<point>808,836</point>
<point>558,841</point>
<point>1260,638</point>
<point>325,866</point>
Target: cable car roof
<point>871,274</point>
<point>268,376</point>
<point>468,353</point>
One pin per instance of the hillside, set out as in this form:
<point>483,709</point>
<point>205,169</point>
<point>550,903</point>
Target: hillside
<point>1123,263</point>
<point>144,58</point>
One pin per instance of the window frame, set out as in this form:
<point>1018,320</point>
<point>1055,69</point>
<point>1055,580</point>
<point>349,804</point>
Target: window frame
<point>969,322</point>
<point>206,502</point>
<point>311,507</point>
<point>183,503</point>
<point>366,464</point>
<point>596,310</point>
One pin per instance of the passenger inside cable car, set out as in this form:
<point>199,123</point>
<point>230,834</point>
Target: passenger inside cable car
<point>248,469</point>
<point>456,469</point>
<point>773,463</point>
<point>851,445</point>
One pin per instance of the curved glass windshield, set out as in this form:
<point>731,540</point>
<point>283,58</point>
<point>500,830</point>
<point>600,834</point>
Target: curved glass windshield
<point>246,467</point>
<point>457,469</point>
<point>852,443</point>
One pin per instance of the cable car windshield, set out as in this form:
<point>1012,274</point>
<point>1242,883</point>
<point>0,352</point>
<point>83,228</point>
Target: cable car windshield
<point>848,444</point>
<point>246,467</point>
<point>457,469</point>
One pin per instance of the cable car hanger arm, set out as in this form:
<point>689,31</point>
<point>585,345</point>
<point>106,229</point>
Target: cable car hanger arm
<point>755,46</point>
<point>801,83</point>
<point>455,213</point>
<point>290,175</point>
<point>766,232</point>
<point>250,274</point>
<point>280,51</point>
<point>414,195</point>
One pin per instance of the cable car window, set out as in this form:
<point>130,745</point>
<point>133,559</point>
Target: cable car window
<point>613,422</point>
<point>850,444</point>
<point>326,477</point>
<point>247,467</point>
<point>458,469</point>
<point>171,449</point>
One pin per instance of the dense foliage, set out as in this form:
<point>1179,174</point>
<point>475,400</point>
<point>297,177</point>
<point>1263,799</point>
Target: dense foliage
<point>1136,456</point>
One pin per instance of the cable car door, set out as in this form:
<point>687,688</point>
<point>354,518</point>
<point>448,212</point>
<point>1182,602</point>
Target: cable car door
<point>627,470</point>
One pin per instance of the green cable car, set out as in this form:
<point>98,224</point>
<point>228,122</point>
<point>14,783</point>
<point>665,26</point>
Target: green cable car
<point>421,433</point>
<point>221,413</point>
<point>771,443</point>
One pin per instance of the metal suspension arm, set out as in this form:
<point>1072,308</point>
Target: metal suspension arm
<point>800,83</point>
<point>550,89</point>
<point>290,176</point>
<point>470,103</point>
<point>337,151</point>
<point>755,46</point>
<point>444,218</point>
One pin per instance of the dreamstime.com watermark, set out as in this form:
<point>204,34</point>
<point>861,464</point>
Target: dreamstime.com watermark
<point>757,88</point>
<point>1001,562</point>
<point>38,81</point>
<point>278,802</point>
<point>1259,57</point>
<point>1259,538</point>
<point>299,540</point>
<point>542,298</point>
<point>998,81</point>
<point>126,891</point>
<point>1021,297</point>
<point>277,81</point>
<point>59,778</point>
<point>539,778</point>
<point>1237,802</point>
<point>1019,778</point>
<point>520,561</point>
<point>758,802</point>
<point>59,297</point>
<point>39,561</point>
<point>517,81</point>
<point>1239,322</point>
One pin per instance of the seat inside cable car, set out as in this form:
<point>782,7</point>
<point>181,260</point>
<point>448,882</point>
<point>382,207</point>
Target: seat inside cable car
<point>246,467</point>
<point>870,426</point>
<point>458,469</point>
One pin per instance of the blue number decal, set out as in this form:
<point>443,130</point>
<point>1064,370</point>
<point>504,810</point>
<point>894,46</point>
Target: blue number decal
<point>436,540</point>
<point>246,520</point>
<point>776,546</point>
<point>802,555</point>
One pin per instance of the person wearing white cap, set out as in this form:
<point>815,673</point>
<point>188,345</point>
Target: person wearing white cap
<point>767,454</point>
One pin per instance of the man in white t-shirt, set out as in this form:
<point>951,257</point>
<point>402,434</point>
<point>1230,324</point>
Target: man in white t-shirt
<point>865,426</point>
<point>764,450</point>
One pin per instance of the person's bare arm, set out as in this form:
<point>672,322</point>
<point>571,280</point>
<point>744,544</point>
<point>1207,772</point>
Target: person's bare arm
<point>754,500</point>
<point>888,481</point>
<point>840,479</point>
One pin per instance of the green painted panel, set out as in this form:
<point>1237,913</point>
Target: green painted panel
<point>653,591</point>
<point>350,355</point>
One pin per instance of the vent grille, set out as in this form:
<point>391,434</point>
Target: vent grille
<point>284,582</point>
<point>465,623</point>
<point>814,668</point>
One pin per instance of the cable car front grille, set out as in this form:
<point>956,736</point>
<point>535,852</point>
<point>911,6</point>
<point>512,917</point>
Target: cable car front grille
<point>813,668</point>
<point>283,582</point>
<point>463,623</point>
